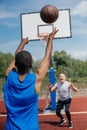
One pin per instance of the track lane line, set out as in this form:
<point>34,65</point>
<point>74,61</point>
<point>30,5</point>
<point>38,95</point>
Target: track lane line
<point>48,114</point>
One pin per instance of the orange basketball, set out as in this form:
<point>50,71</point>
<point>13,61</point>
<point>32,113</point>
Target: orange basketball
<point>49,14</point>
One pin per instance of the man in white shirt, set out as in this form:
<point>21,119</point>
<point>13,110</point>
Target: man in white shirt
<point>64,93</point>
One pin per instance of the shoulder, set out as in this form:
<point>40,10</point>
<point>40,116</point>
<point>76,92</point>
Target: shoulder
<point>12,72</point>
<point>58,83</point>
<point>66,82</point>
<point>11,75</point>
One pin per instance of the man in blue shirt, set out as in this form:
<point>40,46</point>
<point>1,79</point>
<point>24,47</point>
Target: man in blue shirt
<point>22,87</point>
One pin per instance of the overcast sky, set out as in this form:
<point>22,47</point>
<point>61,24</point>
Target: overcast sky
<point>10,26</point>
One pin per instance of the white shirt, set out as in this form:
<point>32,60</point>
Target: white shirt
<point>63,91</point>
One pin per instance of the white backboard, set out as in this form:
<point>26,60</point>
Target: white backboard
<point>31,25</point>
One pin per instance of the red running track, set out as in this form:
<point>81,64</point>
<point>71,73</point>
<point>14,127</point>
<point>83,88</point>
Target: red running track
<point>50,122</point>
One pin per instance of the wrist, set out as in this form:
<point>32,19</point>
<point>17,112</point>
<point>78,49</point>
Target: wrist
<point>22,43</point>
<point>50,39</point>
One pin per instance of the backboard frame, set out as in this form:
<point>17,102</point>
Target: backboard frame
<point>23,26</point>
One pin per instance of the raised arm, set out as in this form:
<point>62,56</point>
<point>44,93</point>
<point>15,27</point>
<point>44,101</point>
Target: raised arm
<point>20,48</point>
<point>42,70</point>
<point>74,88</point>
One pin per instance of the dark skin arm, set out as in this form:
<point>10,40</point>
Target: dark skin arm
<point>42,70</point>
<point>20,48</point>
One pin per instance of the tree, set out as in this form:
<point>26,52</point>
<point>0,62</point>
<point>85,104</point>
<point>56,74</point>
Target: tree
<point>5,60</point>
<point>74,68</point>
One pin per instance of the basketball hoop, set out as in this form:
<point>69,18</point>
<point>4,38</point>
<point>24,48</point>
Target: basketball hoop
<point>43,36</point>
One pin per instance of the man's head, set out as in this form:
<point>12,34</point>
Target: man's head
<point>62,77</point>
<point>23,62</point>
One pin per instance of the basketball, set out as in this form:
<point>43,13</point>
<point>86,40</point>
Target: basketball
<point>49,14</point>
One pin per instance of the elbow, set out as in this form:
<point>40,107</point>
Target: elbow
<point>76,90</point>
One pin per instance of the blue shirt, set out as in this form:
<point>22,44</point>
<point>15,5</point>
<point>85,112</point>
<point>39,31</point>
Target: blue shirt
<point>21,102</point>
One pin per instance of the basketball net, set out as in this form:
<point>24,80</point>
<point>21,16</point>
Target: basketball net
<point>43,38</point>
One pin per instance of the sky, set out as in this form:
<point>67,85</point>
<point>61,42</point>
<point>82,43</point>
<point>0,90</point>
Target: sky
<point>10,27</point>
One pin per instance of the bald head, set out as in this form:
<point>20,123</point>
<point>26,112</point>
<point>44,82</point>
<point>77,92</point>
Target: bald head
<point>62,77</point>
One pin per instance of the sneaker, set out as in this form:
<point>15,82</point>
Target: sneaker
<point>70,125</point>
<point>62,122</point>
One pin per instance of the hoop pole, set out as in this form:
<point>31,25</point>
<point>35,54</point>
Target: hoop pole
<point>52,81</point>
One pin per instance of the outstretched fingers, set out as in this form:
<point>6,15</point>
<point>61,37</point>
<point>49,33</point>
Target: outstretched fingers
<point>52,34</point>
<point>55,31</point>
<point>25,40</point>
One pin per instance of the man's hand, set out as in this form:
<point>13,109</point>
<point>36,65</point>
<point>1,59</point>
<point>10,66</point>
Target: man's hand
<point>24,41</point>
<point>22,44</point>
<point>45,36</point>
<point>20,48</point>
<point>52,34</point>
<point>49,86</point>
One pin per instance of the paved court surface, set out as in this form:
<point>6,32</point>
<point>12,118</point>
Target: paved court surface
<point>50,121</point>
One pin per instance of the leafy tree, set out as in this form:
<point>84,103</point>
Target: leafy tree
<point>35,64</point>
<point>74,68</point>
<point>61,58</point>
<point>5,60</point>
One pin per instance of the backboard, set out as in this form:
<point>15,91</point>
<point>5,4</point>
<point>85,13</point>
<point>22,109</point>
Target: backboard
<point>32,25</point>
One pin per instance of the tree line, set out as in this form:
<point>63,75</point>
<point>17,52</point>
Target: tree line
<point>75,69</point>
<point>62,63</point>
<point>71,67</point>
